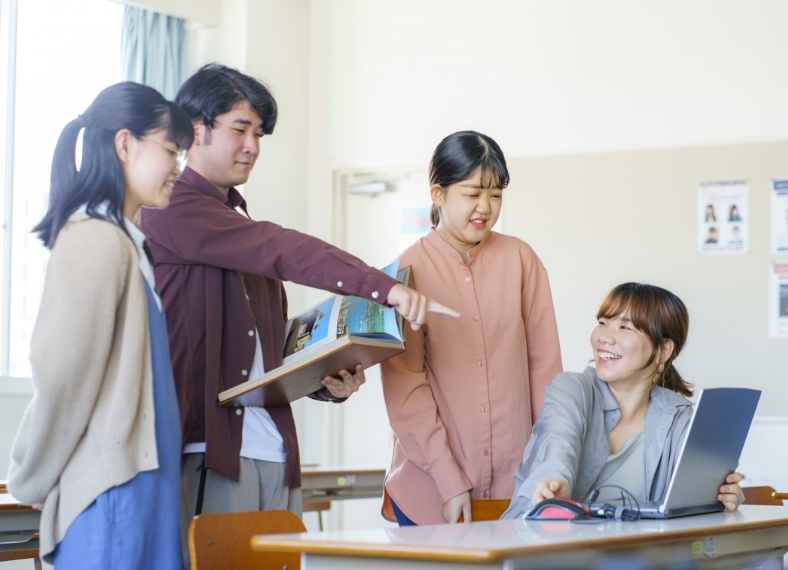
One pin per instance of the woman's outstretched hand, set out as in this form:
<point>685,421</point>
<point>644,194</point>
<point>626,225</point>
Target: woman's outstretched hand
<point>729,493</point>
<point>551,489</point>
<point>414,306</point>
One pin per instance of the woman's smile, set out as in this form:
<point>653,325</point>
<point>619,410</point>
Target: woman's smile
<point>607,356</point>
<point>621,351</point>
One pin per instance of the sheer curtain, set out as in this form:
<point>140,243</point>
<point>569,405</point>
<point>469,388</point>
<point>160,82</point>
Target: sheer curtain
<point>152,49</point>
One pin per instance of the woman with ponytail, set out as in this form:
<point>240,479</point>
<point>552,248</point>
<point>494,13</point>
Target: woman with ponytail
<point>98,449</point>
<point>463,396</point>
<point>621,423</point>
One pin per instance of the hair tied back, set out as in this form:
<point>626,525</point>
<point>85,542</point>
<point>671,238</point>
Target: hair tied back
<point>78,143</point>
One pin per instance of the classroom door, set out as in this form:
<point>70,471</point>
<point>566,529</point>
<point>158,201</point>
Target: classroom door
<point>377,228</point>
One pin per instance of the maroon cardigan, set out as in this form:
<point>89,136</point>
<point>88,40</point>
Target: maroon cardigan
<point>206,254</point>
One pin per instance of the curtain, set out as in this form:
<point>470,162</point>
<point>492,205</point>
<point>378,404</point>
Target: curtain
<point>152,49</point>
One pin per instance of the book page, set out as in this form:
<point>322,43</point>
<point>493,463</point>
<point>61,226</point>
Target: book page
<point>311,330</point>
<point>361,317</point>
<point>339,316</point>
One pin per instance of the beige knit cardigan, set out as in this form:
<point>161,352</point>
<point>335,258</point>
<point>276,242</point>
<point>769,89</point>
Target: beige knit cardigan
<point>90,425</point>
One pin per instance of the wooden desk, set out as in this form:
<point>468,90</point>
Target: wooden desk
<point>18,523</point>
<point>732,540</point>
<point>320,484</point>
<point>18,526</point>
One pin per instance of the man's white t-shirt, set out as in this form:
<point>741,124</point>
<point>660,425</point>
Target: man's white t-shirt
<point>260,437</point>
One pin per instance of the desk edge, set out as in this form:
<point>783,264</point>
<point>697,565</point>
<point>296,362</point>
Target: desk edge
<point>264,543</point>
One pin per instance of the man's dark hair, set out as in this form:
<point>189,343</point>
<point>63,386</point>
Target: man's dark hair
<point>215,89</point>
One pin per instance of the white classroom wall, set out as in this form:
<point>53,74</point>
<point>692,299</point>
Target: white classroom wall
<point>365,83</point>
<point>561,77</point>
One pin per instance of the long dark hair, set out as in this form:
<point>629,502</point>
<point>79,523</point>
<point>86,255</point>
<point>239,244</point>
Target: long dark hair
<point>127,105</point>
<point>661,316</point>
<point>459,155</point>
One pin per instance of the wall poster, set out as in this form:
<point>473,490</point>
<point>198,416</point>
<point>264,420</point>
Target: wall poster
<point>779,217</point>
<point>778,300</point>
<point>723,217</point>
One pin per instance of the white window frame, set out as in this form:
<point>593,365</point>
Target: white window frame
<point>8,35</point>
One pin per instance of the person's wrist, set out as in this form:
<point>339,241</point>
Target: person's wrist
<point>393,293</point>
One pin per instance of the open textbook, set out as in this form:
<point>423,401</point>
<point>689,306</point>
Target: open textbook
<point>335,335</point>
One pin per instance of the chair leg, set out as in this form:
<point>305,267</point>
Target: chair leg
<point>37,564</point>
<point>320,520</point>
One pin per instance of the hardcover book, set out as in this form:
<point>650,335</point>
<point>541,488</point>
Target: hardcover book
<point>335,335</point>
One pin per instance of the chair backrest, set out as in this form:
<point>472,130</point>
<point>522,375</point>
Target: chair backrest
<point>487,509</point>
<point>760,496</point>
<point>223,541</point>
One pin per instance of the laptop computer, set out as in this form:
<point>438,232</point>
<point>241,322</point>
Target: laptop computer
<point>710,452</point>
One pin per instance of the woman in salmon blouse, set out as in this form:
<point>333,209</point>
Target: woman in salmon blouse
<point>463,397</point>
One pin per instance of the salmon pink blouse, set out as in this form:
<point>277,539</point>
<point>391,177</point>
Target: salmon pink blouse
<point>463,396</point>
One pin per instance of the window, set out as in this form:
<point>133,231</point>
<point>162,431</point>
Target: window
<point>65,53</point>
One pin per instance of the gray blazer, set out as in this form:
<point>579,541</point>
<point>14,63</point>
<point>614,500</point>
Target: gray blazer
<point>570,439</point>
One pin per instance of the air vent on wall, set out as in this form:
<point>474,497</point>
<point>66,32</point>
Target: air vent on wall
<point>370,188</point>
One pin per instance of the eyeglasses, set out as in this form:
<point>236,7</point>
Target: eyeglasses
<point>179,155</point>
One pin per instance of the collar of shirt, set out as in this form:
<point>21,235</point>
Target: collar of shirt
<point>665,399</point>
<point>604,397</point>
<point>233,200</point>
<point>145,267</point>
<point>437,241</point>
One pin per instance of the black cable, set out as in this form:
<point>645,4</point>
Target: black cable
<point>201,489</point>
<point>629,510</point>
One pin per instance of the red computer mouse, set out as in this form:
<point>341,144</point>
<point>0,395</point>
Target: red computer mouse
<point>558,509</point>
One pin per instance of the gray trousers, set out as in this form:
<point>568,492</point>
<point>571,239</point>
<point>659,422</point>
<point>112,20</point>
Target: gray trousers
<point>260,487</point>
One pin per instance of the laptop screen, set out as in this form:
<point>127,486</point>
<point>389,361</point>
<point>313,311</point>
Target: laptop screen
<point>710,452</point>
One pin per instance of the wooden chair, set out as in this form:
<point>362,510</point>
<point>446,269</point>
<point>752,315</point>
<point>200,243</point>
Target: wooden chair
<point>487,509</point>
<point>317,508</point>
<point>223,541</point>
<point>763,496</point>
<point>481,509</point>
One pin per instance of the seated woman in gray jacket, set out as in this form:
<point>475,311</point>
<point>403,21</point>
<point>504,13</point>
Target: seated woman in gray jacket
<point>623,422</point>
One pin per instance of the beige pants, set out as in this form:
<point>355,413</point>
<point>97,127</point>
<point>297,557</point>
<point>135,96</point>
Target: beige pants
<point>260,487</point>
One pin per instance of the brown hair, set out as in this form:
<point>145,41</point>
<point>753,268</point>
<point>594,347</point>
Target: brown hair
<point>661,316</point>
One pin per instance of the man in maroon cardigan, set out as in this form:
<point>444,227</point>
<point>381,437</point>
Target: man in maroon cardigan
<point>220,277</point>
